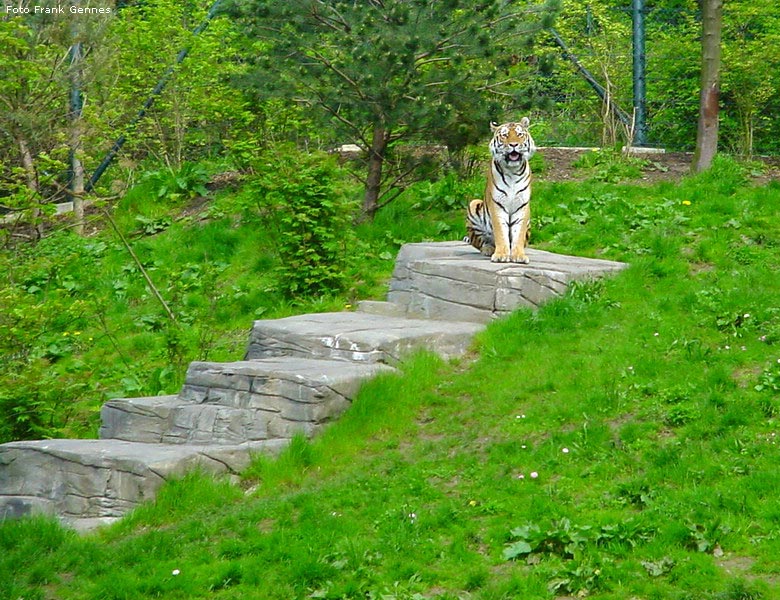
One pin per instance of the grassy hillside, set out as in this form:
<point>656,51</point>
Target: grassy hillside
<point>80,324</point>
<point>619,443</point>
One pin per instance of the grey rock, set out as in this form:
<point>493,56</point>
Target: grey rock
<point>96,479</point>
<point>137,419</point>
<point>453,281</point>
<point>243,401</point>
<point>357,336</point>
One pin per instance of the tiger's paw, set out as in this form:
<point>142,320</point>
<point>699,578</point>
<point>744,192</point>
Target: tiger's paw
<point>500,258</point>
<point>523,259</point>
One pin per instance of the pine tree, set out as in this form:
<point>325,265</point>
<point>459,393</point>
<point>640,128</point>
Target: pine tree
<point>390,69</point>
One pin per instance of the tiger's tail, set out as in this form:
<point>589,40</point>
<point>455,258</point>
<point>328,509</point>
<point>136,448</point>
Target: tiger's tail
<point>479,231</point>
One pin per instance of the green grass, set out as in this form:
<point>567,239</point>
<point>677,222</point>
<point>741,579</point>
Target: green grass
<point>633,400</point>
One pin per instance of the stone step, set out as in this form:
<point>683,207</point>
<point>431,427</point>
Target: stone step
<point>361,337</point>
<point>90,482</point>
<point>453,281</point>
<point>143,420</point>
<point>243,401</point>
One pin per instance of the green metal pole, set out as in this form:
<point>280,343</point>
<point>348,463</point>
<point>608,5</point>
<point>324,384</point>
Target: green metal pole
<point>640,92</point>
<point>109,157</point>
<point>618,112</point>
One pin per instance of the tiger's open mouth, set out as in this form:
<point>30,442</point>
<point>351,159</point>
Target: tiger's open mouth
<point>514,156</point>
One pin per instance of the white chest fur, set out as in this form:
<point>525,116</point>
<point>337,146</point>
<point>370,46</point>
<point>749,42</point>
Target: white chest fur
<point>511,186</point>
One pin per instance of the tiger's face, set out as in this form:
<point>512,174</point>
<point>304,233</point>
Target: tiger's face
<point>511,143</point>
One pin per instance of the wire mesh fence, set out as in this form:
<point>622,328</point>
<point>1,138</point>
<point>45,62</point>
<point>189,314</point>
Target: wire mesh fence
<point>602,42</point>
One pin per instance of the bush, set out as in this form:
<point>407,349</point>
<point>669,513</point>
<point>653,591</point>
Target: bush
<point>310,218</point>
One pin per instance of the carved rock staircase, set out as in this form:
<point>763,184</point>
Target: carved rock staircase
<point>299,373</point>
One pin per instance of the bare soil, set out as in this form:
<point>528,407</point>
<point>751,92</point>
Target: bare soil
<point>663,166</point>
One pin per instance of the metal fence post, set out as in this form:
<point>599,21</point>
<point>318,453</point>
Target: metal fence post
<point>640,95</point>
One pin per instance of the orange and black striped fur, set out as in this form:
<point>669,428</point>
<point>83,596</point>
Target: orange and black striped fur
<point>498,225</point>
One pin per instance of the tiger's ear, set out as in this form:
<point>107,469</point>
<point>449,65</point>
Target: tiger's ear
<point>525,122</point>
<point>493,126</point>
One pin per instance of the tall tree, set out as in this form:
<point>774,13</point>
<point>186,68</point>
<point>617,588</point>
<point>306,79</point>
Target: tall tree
<point>33,98</point>
<point>707,132</point>
<point>44,64</point>
<point>390,69</point>
<point>76,125</point>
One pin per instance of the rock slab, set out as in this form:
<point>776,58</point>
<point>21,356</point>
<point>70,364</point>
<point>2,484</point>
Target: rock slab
<point>100,480</point>
<point>453,281</point>
<point>358,337</point>
<point>243,401</point>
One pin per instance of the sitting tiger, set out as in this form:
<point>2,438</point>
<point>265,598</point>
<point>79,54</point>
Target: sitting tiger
<point>498,226</point>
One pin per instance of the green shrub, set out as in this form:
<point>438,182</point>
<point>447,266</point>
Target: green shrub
<point>310,219</point>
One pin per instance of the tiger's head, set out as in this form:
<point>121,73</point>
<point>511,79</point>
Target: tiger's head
<point>512,143</point>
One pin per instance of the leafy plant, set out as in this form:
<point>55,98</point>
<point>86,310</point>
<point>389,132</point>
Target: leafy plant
<point>567,541</point>
<point>311,220</point>
<point>769,379</point>
<point>610,165</point>
<point>707,537</point>
<point>188,181</point>
<point>151,226</point>
<point>658,568</point>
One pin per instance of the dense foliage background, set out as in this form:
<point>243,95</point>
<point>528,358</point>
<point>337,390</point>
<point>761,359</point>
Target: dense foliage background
<point>243,87</point>
<point>237,135</point>
<point>635,454</point>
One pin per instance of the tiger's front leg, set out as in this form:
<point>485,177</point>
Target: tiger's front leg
<point>501,238</point>
<point>520,234</point>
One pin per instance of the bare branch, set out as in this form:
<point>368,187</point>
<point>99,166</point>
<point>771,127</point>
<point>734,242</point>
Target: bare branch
<point>338,24</point>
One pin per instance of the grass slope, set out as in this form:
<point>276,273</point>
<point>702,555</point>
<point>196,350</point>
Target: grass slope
<point>618,443</point>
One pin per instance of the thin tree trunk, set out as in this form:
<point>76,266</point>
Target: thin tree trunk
<point>77,183</point>
<point>32,183</point>
<point>376,159</point>
<point>76,167</point>
<point>707,133</point>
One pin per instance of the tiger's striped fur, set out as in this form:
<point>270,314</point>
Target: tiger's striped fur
<point>498,225</point>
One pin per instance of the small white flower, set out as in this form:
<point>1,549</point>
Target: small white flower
<point>175,572</point>
<point>534,474</point>
<point>523,446</point>
<point>746,316</point>
<point>565,450</point>
<point>656,334</point>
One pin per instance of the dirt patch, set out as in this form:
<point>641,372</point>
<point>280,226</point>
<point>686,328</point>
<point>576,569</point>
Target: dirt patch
<point>663,166</point>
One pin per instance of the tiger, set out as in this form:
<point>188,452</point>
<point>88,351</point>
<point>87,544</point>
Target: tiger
<point>498,225</point>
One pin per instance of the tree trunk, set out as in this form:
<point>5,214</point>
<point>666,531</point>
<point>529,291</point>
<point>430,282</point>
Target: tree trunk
<point>376,159</point>
<point>32,183</point>
<point>707,133</point>
<point>77,181</point>
<point>76,167</point>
